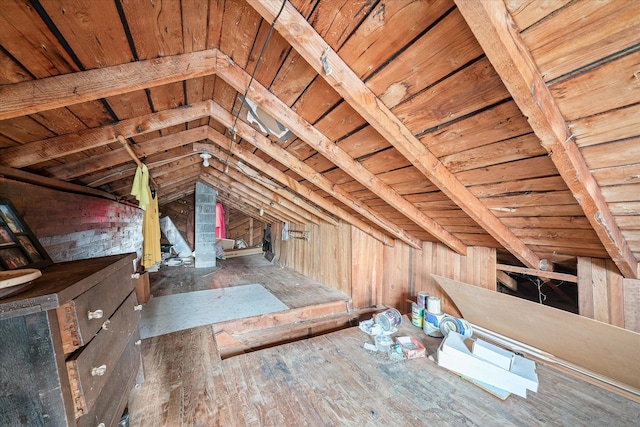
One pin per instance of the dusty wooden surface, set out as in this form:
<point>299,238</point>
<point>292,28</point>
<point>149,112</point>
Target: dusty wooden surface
<point>292,288</point>
<point>332,380</point>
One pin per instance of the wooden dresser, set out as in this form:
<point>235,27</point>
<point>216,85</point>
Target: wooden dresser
<point>70,349</point>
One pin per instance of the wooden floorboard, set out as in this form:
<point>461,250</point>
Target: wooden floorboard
<point>292,288</point>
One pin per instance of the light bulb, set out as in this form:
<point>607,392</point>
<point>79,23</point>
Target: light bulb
<point>205,163</point>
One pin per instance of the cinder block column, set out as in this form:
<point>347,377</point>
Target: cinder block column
<point>205,233</point>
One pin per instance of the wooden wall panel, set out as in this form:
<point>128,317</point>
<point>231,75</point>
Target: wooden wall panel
<point>631,292</point>
<point>325,256</point>
<point>72,226</point>
<point>601,293</point>
<point>367,255</point>
<point>374,274</point>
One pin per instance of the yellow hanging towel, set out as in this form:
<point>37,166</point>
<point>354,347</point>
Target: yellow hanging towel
<point>151,232</point>
<point>140,187</point>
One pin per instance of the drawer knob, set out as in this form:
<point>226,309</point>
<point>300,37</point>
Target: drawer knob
<point>99,371</point>
<point>137,307</point>
<point>95,314</point>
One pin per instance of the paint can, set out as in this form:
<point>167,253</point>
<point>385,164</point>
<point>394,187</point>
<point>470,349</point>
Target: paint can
<point>422,299</point>
<point>388,319</point>
<point>433,305</point>
<point>461,326</point>
<point>417,314</point>
<point>431,324</point>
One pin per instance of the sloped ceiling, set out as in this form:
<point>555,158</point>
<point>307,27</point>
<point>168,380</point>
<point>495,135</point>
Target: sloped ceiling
<point>511,125</point>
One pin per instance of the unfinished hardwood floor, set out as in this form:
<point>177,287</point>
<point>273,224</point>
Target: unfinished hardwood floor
<point>292,288</point>
<point>331,380</point>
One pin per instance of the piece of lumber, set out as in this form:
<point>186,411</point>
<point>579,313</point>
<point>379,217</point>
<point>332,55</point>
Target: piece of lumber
<point>242,252</point>
<point>506,280</point>
<point>43,181</point>
<point>605,349</point>
<point>539,273</point>
<point>33,96</point>
<point>499,37</point>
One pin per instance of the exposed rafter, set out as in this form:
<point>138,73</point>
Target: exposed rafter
<point>239,79</point>
<point>252,136</point>
<point>60,91</point>
<point>498,35</point>
<point>52,148</point>
<point>310,45</point>
<point>265,207</point>
<point>291,183</point>
<point>262,184</point>
<point>96,163</point>
<point>260,191</point>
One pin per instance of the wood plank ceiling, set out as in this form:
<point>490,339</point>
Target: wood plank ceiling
<point>511,125</point>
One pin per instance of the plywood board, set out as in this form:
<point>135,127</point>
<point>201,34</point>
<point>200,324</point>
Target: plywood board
<point>596,346</point>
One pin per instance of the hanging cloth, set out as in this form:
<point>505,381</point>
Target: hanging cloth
<point>140,187</point>
<point>151,232</point>
<point>220,230</point>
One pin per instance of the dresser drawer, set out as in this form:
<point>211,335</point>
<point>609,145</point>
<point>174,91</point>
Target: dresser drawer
<point>82,317</point>
<point>115,395</point>
<point>90,368</point>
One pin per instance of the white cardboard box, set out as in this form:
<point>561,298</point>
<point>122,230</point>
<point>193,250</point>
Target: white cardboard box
<point>493,354</point>
<point>454,354</point>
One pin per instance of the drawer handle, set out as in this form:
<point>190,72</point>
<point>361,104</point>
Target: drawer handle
<point>95,314</point>
<point>99,371</point>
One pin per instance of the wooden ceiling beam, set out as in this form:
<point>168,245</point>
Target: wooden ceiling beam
<point>265,207</point>
<point>23,176</point>
<point>177,192</point>
<point>300,189</point>
<point>498,35</point>
<point>248,210</point>
<point>168,174</point>
<point>239,79</point>
<point>265,185</point>
<point>311,46</point>
<point>253,137</point>
<point>154,161</point>
<point>220,151</point>
<point>261,191</point>
<point>228,199</point>
<point>34,96</point>
<point>116,157</point>
<point>59,146</point>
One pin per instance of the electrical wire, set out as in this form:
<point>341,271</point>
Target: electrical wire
<point>264,46</point>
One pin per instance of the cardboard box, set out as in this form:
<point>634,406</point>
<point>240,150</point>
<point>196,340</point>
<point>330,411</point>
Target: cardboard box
<point>455,355</point>
<point>142,288</point>
<point>411,347</point>
<point>226,243</point>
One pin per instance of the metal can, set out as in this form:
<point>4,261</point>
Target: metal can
<point>388,319</point>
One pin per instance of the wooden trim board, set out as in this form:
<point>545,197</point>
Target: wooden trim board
<point>604,349</point>
<point>242,252</point>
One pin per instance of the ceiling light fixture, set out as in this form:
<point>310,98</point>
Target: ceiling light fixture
<point>205,159</point>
